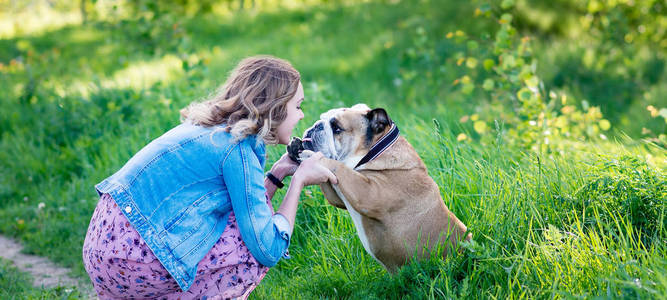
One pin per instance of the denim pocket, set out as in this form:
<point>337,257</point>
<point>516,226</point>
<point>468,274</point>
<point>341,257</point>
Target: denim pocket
<point>189,221</point>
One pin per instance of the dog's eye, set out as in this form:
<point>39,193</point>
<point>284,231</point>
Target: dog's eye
<point>334,127</point>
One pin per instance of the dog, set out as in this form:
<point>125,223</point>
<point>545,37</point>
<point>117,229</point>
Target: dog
<point>395,205</point>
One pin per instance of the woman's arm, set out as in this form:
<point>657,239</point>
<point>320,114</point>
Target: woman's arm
<point>266,234</point>
<point>309,172</point>
<point>270,187</point>
<point>282,168</point>
<point>291,202</point>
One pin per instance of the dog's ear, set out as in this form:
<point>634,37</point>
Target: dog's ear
<point>378,120</point>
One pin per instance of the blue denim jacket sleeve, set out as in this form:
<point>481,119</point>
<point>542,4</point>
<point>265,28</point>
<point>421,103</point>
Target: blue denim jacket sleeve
<point>266,234</point>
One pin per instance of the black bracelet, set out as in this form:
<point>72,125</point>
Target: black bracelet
<point>275,180</point>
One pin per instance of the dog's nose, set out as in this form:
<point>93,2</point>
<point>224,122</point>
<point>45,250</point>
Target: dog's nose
<point>319,126</point>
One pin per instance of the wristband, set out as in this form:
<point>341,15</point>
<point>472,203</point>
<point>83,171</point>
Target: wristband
<point>275,180</point>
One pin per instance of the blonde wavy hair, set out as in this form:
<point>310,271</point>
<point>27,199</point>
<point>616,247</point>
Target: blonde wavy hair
<point>253,100</point>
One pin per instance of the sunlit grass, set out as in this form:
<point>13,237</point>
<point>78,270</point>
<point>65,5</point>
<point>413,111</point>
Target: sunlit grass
<point>136,76</point>
<point>146,73</point>
<point>90,96</point>
<point>40,17</point>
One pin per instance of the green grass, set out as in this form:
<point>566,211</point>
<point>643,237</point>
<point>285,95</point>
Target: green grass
<point>587,222</point>
<point>15,284</point>
<point>532,238</point>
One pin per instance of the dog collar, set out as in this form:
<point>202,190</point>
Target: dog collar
<point>385,142</point>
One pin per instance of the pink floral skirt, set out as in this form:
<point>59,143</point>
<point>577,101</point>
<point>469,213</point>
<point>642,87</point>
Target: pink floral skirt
<point>121,266</point>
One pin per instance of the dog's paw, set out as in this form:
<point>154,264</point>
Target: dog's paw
<point>294,149</point>
<point>305,154</point>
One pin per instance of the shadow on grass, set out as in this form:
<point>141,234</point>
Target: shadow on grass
<point>615,93</point>
<point>353,46</point>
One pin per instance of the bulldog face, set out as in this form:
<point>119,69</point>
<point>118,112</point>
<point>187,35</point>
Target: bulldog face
<point>347,134</point>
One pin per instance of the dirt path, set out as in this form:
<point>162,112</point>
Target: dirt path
<point>44,272</point>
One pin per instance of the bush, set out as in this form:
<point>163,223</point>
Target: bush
<point>625,188</point>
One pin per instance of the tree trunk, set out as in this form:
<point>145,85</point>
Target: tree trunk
<point>84,14</point>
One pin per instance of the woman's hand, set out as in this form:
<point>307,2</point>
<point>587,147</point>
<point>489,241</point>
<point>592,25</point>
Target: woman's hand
<point>311,171</point>
<point>284,167</point>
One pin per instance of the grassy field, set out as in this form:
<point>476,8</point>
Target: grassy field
<point>584,219</point>
<point>18,285</point>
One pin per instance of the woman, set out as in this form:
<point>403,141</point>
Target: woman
<point>189,215</point>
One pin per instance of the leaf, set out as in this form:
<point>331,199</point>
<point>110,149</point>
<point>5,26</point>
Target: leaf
<point>488,84</point>
<point>663,113</point>
<point>489,63</point>
<point>507,4</point>
<point>589,58</point>
<point>472,45</point>
<point>506,18</point>
<point>561,122</point>
<point>480,127</point>
<point>467,88</point>
<point>509,61</point>
<point>24,45</point>
<point>532,81</point>
<point>524,94</point>
<point>594,6</point>
<point>604,124</point>
<point>471,62</point>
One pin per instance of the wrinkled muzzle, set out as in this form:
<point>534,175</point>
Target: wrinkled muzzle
<point>317,138</point>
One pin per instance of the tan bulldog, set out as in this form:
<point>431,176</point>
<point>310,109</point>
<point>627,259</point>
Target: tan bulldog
<point>394,204</point>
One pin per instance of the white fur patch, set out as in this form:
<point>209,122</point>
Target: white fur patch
<point>352,161</point>
<point>330,114</point>
<point>333,112</point>
<point>356,218</point>
<point>360,107</point>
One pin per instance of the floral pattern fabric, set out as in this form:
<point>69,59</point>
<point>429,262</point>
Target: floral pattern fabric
<point>121,266</point>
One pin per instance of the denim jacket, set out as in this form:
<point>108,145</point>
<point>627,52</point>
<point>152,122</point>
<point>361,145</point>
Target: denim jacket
<point>178,192</point>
